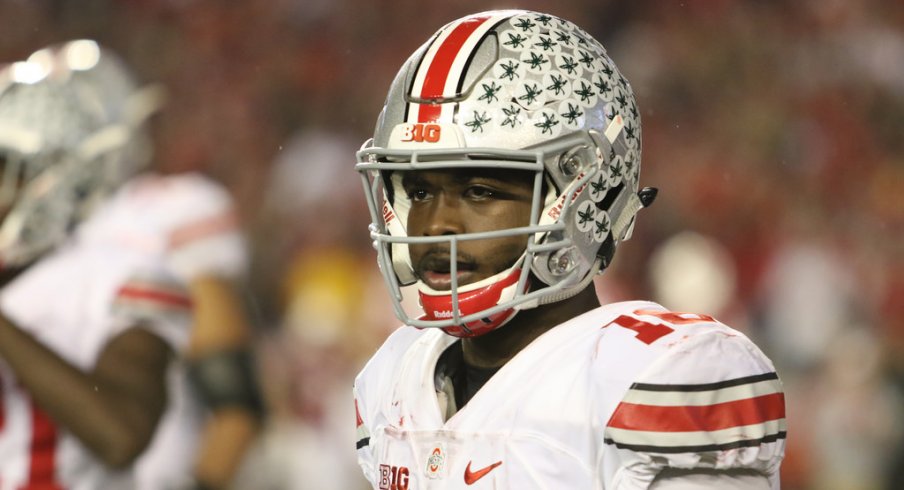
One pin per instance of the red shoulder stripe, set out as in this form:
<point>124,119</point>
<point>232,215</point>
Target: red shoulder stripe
<point>146,294</point>
<point>224,222</point>
<point>748,411</point>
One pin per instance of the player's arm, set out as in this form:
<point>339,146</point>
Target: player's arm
<point>208,253</point>
<point>221,343</point>
<point>709,408</point>
<point>112,409</point>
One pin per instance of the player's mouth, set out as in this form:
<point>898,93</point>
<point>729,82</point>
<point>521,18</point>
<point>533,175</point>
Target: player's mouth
<point>436,272</point>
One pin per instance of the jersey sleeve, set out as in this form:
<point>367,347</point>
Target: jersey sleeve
<point>372,388</point>
<point>204,236</point>
<point>157,302</point>
<point>712,401</point>
<point>362,438</point>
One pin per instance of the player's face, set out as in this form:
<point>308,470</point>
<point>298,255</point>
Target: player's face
<point>447,202</point>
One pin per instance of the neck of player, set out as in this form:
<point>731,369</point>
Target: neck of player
<point>494,349</point>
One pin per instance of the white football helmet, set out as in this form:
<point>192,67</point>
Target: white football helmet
<point>70,133</point>
<point>514,90</point>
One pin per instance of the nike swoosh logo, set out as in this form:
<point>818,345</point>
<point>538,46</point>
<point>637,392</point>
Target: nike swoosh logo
<point>472,476</point>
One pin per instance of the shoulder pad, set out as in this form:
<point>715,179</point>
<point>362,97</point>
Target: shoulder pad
<point>712,400</point>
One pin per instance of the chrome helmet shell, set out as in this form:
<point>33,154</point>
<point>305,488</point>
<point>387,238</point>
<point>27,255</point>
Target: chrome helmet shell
<point>514,90</point>
<point>70,132</point>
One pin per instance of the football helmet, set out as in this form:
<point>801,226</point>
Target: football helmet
<point>513,90</point>
<point>70,133</point>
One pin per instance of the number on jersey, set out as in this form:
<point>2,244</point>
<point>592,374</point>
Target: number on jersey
<point>648,332</point>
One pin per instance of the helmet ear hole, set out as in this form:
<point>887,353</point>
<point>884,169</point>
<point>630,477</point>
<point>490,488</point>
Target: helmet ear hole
<point>610,197</point>
<point>606,252</point>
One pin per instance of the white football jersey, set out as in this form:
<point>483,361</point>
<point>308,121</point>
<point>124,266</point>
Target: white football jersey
<point>165,215</point>
<point>606,400</point>
<point>74,301</point>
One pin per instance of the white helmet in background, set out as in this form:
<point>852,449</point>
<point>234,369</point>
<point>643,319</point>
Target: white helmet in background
<point>70,132</point>
<point>513,90</point>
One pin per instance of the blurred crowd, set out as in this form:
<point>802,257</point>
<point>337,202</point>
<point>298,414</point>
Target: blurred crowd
<point>772,128</point>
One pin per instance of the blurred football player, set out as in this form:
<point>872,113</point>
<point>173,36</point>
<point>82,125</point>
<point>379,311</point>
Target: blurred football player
<point>501,178</point>
<point>186,223</point>
<point>190,222</point>
<point>87,328</point>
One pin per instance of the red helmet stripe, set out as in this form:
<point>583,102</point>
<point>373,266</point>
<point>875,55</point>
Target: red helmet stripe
<point>438,72</point>
<point>444,62</point>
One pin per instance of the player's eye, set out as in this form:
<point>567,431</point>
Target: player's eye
<point>479,192</point>
<point>417,195</point>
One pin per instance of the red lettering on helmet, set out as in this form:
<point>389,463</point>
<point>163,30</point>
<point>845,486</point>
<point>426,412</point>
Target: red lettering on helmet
<point>422,133</point>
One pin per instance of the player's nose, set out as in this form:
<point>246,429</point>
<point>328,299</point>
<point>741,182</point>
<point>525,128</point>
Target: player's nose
<point>443,216</point>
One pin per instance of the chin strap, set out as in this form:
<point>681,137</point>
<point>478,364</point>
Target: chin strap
<point>573,291</point>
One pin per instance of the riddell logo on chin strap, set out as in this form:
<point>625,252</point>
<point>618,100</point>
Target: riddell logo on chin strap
<point>388,215</point>
<point>443,314</point>
<point>393,477</point>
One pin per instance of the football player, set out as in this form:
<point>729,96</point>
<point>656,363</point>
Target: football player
<point>186,226</point>
<point>501,178</point>
<point>87,327</point>
<point>189,222</point>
